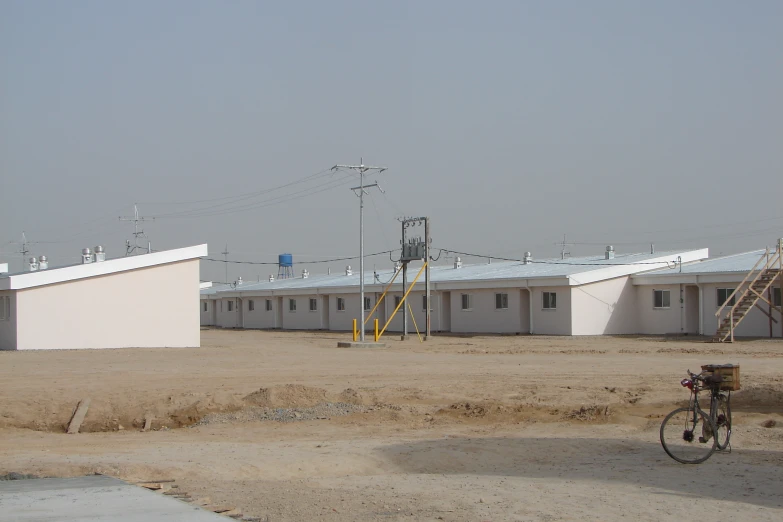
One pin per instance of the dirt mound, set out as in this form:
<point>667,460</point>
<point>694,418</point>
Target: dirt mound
<point>287,396</point>
<point>758,399</point>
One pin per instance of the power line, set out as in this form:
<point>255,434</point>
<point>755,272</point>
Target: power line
<point>194,213</point>
<point>239,197</point>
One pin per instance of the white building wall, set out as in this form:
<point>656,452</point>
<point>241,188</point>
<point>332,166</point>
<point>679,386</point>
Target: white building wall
<point>604,308</point>
<point>225,318</point>
<point>342,321</point>
<point>755,324</point>
<point>8,321</point>
<point>205,316</point>
<point>660,321</point>
<point>147,307</point>
<point>484,317</point>
<point>302,318</point>
<point>259,317</point>
<point>548,321</point>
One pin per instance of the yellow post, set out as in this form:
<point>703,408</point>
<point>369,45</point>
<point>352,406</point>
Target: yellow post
<point>355,331</point>
<point>376,330</point>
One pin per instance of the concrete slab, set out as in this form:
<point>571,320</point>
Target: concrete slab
<point>359,344</point>
<point>90,499</point>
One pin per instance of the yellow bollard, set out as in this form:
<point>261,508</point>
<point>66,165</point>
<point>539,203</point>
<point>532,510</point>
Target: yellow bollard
<point>376,330</point>
<point>355,331</point>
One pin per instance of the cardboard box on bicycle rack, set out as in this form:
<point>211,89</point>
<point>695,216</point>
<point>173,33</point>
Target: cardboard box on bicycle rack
<point>730,373</point>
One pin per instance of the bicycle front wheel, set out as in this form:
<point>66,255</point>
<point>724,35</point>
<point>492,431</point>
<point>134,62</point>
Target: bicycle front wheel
<point>722,423</point>
<point>687,436</point>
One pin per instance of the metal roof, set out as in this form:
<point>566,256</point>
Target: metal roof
<point>496,271</point>
<point>741,263</point>
<point>215,288</point>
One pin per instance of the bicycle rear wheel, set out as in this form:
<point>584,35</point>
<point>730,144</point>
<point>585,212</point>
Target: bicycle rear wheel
<point>681,433</point>
<point>723,423</point>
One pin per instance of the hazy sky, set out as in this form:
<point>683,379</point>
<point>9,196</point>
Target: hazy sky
<point>509,123</point>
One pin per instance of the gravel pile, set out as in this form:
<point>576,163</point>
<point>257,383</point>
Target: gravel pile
<point>321,411</point>
<point>18,476</point>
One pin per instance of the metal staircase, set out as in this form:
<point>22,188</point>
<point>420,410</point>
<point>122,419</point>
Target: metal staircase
<point>767,271</point>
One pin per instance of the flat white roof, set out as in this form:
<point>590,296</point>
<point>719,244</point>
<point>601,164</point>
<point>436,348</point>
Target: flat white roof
<point>3,268</point>
<point>51,276</point>
<point>718,269</point>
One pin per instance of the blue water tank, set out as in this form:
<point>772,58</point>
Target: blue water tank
<point>285,260</point>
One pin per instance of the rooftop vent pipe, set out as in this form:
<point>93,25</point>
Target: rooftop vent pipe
<point>86,256</point>
<point>271,278</point>
<point>458,263</point>
<point>43,263</point>
<point>100,254</point>
<point>33,264</point>
<point>239,281</point>
<point>305,274</point>
<point>527,259</point>
<point>609,252</point>
<point>348,270</point>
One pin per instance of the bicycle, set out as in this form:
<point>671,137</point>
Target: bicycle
<point>680,428</point>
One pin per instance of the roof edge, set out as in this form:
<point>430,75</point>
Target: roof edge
<point>111,266</point>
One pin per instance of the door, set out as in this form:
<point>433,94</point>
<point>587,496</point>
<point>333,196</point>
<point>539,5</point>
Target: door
<point>213,304</point>
<point>692,307</point>
<point>524,311</point>
<point>325,312</point>
<point>279,313</point>
<point>445,312</point>
<point>240,312</point>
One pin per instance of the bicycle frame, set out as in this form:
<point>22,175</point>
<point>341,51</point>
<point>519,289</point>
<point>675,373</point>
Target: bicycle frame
<point>715,396</point>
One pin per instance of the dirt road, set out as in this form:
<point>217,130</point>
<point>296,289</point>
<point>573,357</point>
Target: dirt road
<point>480,428</point>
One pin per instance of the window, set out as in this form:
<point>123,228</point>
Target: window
<point>231,306</point>
<point>313,305</point>
<point>467,302</point>
<point>723,296</point>
<point>292,305</point>
<point>268,305</point>
<point>251,305</point>
<point>776,296</point>
<point>4,309</point>
<point>501,301</point>
<point>662,298</point>
<point>221,306</point>
<point>367,304</point>
<point>204,306</point>
<point>341,304</point>
<point>397,300</point>
<point>550,300</point>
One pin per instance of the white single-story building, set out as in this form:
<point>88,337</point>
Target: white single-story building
<point>685,299</point>
<point>140,301</point>
<point>575,296</point>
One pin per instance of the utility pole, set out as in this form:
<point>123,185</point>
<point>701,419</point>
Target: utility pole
<point>404,286</point>
<point>225,256</point>
<point>427,241</point>
<point>136,232</point>
<point>362,169</point>
<point>563,251</point>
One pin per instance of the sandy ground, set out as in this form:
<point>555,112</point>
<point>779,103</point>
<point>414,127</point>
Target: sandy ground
<point>459,428</point>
